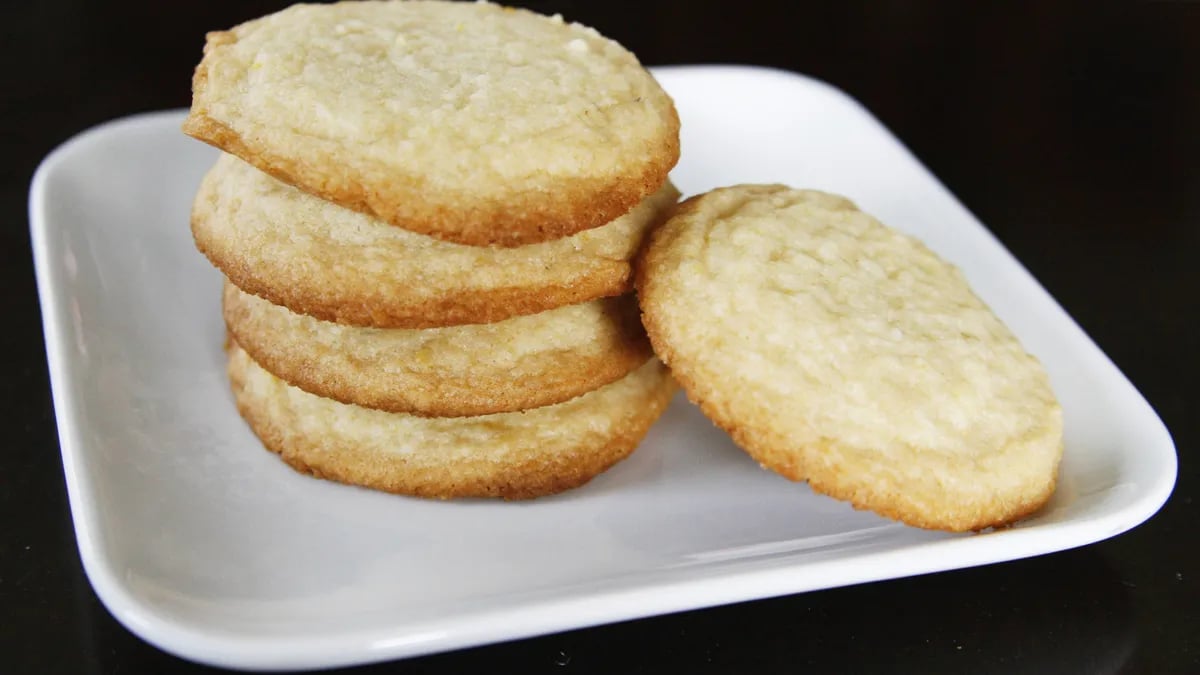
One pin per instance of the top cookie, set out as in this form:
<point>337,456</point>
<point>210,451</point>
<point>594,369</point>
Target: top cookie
<point>469,122</point>
<point>841,352</point>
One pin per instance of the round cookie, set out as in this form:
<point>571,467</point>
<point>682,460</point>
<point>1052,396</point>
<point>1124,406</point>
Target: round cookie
<point>523,362</point>
<point>339,265</point>
<point>843,353</point>
<point>468,122</point>
<point>510,455</point>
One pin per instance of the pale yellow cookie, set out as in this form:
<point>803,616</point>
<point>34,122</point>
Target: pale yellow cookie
<point>319,259</point>
<point>469,122</point>
<point>838,351</point>
<point>512,455</point>
<point>523,362</point>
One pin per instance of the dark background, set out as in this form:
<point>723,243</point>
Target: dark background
<point>1071,129</point>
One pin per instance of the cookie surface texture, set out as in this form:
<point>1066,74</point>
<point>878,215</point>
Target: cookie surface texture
<point>469,122</point>
<point>338,265</point>
<point>524,362</point>
<point>841,352</point>
<point>511,455</point>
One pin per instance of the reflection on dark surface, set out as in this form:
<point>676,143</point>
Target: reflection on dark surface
<point>1013,618</point>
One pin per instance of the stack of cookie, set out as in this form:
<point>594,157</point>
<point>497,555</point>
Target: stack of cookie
<point>426,214</point>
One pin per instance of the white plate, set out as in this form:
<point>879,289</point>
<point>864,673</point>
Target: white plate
<point>209,547</point>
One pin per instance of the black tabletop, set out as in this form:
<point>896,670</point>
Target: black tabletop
<point>1071,129</point>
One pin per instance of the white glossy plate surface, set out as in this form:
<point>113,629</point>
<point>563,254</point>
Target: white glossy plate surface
<point>209,547</point>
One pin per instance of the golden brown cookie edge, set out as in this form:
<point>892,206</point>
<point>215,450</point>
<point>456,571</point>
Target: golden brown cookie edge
<point>384,310</point>
<point>402,201</point>
<point>536,477</point>
<point>809,464</point>
<point>481,394</point>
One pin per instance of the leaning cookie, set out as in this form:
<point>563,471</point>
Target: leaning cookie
<point>468,122</point>
<point>510,455</point>
<point>843,353</point>
<point>338,265</point>
<point>523,362</point>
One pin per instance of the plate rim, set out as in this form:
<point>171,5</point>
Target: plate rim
<point>214,647</point>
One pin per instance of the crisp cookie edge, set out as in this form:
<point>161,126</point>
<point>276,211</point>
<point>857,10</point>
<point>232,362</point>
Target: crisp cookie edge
<point>473,396</point>
<point>800,464</point>
<point>517,481</point>
<point>577,205</point>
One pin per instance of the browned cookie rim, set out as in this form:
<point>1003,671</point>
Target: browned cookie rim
<point>467,306</point>
<point>547,473</point>
<point>387,305</point>
<point>444,395</point>
<point>576,205</point>
<point>810,464</point>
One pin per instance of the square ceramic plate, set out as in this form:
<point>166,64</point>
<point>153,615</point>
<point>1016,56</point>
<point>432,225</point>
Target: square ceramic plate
<point>209,547</point>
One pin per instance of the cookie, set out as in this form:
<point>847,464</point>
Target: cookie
<point>840,352</point>
<point>511,455</point>
<point>523,362</point>
<point>338,265</point>
<point>468,122</point>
